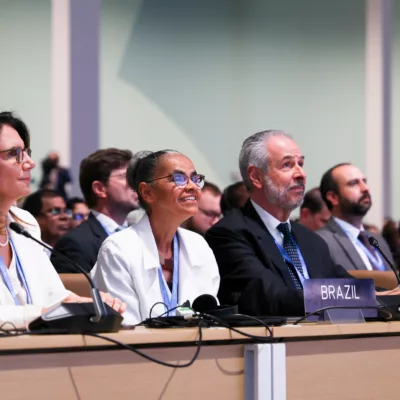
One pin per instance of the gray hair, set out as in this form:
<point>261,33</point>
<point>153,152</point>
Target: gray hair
<point>142,168</point>
<point>254,153</point>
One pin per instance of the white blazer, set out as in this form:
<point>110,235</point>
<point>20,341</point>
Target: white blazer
<point>127,267</point>
<point>44,284</point>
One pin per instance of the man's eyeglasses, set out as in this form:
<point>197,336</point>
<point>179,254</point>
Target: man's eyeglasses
<point>181,180</point>
<point>17,153</point>
<point>53,212</point>
<point>79,217</point>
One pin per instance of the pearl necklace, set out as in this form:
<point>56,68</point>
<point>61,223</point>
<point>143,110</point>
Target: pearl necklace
<point>7,240</point>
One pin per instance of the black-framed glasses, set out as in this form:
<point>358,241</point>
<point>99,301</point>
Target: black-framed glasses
<point>17,153</point>
<point>57,211</point>
<point>181,180</point>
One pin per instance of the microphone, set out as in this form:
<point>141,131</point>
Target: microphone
<point>374,243</point>
<point>105,319</point>
<point>208,304</point>
<point>205,303</point>
<point>391,302</point>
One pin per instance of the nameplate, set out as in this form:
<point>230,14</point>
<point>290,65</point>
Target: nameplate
<point>321,293</point>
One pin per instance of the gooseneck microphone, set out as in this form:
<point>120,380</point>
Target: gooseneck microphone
<point>374,243</point>
<point>105,317</point>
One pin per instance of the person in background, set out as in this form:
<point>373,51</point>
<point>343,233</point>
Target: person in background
<point>53,176</point>
<point>345,191</point>
<point>29,285</point>
<point>209,210</point>
<point>314,213</point>
<point>51,212</point>
<point>79,211</point>
<point>102,179</point>
<point>234,196</point>
<point>371,228</point>
<point>391,234</point>
<point>156,261</point>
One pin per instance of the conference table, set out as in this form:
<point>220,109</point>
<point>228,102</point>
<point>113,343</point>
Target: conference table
<point>308,361</point>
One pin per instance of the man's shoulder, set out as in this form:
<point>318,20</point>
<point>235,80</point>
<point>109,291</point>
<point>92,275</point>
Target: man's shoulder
<point>233,220</point>
<point>307,234</point>
<point>82,233</point>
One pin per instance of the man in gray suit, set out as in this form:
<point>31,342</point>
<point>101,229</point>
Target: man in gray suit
<point>345,191</point>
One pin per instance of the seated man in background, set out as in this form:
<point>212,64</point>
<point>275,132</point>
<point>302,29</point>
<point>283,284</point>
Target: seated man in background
<point>102,179</point>
<point>209,210</point>
<point>314,214</point>
<point>345,191</point>
<point>263,257</point>
<point>50,211</point>
<point>234,196</point>
<point>79,211</point>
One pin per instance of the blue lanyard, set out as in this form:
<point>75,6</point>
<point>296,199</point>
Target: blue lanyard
<point>302,276</point>
<point>377,260</point>
<point>21,276</point>
<point>171,299</point>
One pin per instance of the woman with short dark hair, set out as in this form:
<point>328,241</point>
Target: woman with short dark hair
<point>155,260</point>
<point>29,284</point>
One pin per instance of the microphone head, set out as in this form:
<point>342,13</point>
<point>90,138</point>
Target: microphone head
<point>204,303</point>
<point>373,242</point>
<point>17,228</point>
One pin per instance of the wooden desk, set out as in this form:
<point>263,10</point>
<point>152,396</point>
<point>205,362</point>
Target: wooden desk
<point>322,362</point>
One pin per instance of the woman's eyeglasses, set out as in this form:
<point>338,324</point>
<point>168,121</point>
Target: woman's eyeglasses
<point>181,180</point>
<point>17,153</point>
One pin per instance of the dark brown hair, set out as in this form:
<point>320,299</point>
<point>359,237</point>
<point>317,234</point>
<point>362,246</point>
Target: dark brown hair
<point>98,167</point>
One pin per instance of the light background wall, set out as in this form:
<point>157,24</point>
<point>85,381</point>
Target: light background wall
<point>25,74</point>
<point>200,76</point>
<point>395,134</point>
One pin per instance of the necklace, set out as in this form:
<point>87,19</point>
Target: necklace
<point>6,242</point>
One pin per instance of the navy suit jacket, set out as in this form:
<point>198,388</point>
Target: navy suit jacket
<point>81,245</point>
<point>253,272</point>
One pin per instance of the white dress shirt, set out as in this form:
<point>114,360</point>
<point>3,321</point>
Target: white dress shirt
<point>108,223</point>
<point>270,222</point>
<point>352,233</point>
<point>128,263</point>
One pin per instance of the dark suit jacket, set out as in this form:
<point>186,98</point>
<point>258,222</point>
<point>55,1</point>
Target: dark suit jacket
<point>253,272</point>
<point>81,245</point>
<point>342,249</point>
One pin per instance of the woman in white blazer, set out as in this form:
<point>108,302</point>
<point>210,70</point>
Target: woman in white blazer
<point>154,260</point>
<point>29,284</point>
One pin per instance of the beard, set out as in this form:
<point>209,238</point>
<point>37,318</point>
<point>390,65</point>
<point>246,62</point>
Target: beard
<point>280,196</point>
<point>355,208</point>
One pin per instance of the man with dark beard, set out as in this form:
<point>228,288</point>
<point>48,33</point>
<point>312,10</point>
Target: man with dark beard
<point>263,257</point>
<point>345,191</point>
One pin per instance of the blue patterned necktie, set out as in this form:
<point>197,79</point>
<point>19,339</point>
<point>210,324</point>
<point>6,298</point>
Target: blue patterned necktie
<point>291,250</point>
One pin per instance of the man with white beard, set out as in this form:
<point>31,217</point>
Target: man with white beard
<point>264,257</point>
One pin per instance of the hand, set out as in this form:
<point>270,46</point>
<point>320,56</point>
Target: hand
<point>114,302</point>
<point>395,291</point>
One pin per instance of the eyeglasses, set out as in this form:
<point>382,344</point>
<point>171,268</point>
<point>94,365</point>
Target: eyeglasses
<point>210,214</point>
<point>53,212</point>
<point>181,180</point>
<point>79,217</point>
<point>17,153</point>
